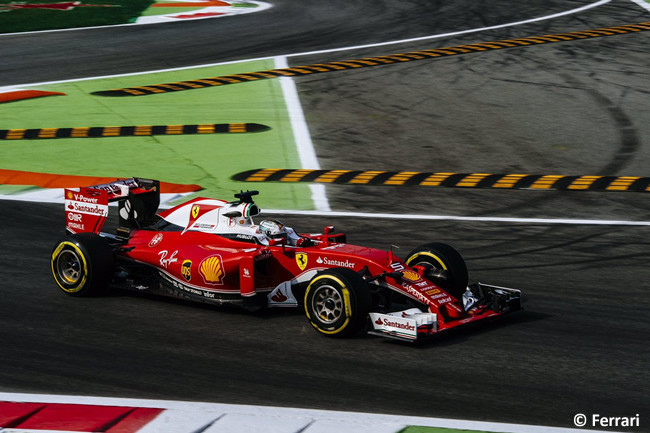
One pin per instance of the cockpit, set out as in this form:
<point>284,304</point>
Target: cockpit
<point>232,220</point>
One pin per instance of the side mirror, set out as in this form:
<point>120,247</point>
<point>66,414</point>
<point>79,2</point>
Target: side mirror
<point>232,214</point>
<point>328,229</point>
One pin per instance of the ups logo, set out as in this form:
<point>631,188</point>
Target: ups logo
<point>186,270</point>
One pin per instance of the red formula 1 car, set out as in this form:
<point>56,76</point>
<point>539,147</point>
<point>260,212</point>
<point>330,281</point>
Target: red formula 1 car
<point>211,251</point>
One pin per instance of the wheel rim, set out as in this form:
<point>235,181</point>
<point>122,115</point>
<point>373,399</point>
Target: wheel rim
<point>327,304</point>
<point>68,267</point>
<point>430,267</point>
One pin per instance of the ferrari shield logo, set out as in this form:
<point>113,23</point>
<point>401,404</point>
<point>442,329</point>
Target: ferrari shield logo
<point>195,211</point>
<point>301,260</point>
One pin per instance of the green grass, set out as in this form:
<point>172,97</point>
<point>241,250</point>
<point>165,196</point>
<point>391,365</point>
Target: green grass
<point>23,20</point>
<point>152,11</point>
<point>208,160</point>
<point>164,11</point>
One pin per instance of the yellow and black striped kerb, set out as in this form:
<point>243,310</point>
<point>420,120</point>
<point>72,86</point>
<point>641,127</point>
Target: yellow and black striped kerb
<point>372,61</point>
<point>450,180</point>
<point>129,131</point>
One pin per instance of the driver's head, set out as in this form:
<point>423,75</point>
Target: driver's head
<point>273,229</point>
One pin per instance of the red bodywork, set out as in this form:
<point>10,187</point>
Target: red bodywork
<point>192,260</point>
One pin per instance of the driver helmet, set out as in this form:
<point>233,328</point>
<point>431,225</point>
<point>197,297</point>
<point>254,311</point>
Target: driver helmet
<point>273,229</point>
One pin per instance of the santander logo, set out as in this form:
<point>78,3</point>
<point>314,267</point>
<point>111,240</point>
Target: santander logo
<point>398,325</point>
<point>338,263</point>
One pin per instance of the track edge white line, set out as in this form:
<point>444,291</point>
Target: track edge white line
<point>643,4</point>
<point>300,129</point>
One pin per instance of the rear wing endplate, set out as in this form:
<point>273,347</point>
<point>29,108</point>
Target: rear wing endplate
<point>86,208</point>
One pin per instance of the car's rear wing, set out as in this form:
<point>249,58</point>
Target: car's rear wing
<point>86,208</point>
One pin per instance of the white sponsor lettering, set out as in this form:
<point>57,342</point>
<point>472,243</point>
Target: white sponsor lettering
<point>330,262</point>
<point>119,188</point>
<point>203,226</point>
<point>187,289</point>
<point>76,226</point>
<point>88,209</point>
<point>93,210</point>
<point>83,198</point>
<point>332,247</point>
<point>394,324</point>
<point>416,293</point>
<point>74,217</point>
<point>164,261</point>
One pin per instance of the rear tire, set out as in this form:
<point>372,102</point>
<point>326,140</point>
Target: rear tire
<point>82,264</point>
<point>337,302</point>
<point>436,257</point>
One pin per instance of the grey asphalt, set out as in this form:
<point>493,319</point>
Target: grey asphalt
<point>580,346</point>
<point>581,107</point>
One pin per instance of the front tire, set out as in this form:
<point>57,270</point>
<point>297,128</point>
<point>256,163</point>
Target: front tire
<point>82,264</point>
<point>438,258</point>
<point>337,302</point>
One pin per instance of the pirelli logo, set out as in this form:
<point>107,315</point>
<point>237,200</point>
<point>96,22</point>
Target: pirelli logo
<point>365,62</point>
<point>130,131</point>
<point>450,180</point>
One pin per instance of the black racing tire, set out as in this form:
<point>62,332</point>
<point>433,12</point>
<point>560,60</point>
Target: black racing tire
<point>337,303</point>
<point>82,264</point>
<point>438,256</point>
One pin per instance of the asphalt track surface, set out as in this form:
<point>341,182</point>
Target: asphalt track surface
<point>581,345</point>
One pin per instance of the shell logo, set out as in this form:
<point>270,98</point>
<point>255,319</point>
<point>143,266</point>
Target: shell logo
<point>70,195</point>
<point>411,276</point>
<point>211,269</point>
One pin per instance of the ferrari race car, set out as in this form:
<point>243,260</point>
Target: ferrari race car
<point>211,251</point>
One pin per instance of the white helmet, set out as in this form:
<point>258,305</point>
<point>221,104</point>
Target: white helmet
<point>273,229</point>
